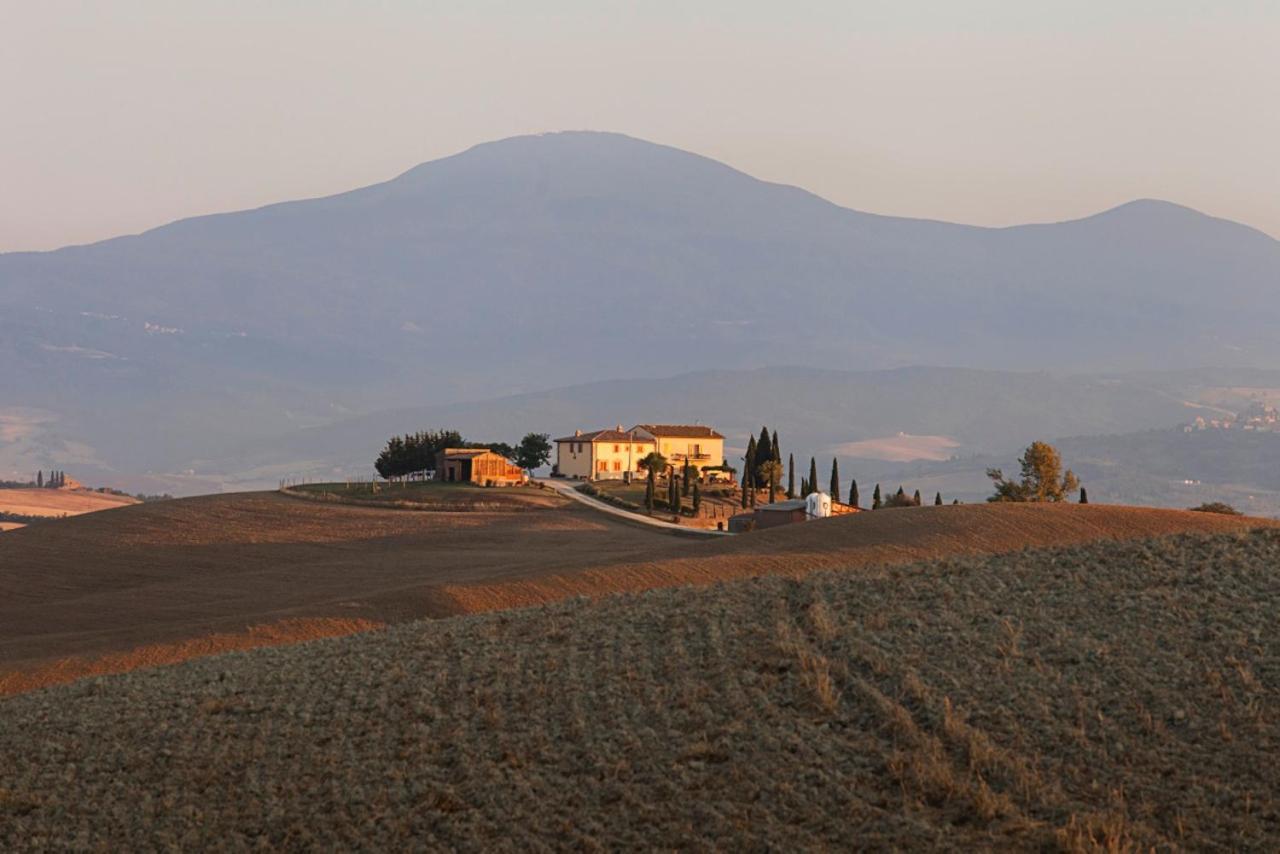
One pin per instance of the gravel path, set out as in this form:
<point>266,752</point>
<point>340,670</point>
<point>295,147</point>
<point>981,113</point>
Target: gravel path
<point>1117,694</point>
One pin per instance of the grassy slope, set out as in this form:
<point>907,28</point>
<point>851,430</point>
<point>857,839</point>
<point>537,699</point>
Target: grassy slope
<point>1115,694</point>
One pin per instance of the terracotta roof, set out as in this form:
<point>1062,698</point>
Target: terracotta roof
<point>680,431</point>
<point>608,436</point>
<point>466,452</point>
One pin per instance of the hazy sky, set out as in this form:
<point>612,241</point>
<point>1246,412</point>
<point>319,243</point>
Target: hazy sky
<point>120,115</point>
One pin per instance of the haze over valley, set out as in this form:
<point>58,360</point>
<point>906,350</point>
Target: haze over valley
<point>563,279</point>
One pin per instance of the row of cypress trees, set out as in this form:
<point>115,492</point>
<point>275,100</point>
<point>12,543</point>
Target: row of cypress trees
<point>56,480</point>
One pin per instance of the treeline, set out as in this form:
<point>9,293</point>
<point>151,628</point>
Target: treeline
<point>414,454</point>
<point>55,480</point>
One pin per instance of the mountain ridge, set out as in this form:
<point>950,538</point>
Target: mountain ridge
<point>540,262</point>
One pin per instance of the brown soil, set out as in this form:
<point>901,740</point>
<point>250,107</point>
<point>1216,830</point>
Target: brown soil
<point>1112,696</point>
<point>99,587</point>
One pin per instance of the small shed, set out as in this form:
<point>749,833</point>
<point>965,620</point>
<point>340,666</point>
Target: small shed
<point>477,465</point>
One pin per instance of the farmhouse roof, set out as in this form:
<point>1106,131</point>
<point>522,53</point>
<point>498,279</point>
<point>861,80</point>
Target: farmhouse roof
<point>680,431</point>
<point>607,436</point>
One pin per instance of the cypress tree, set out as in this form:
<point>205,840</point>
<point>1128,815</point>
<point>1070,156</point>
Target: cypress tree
<point>1084,495</point>
<point>689,469</point>
<point>916,498</point>
<point>673,496</point>
<point>746,486</point>
<point>750,458</point>
<point>773,483</point>
<point>791,475</point>
<point>813,475</point>
<point>777,449</point>
<point>40,479</point>
<point>764,448</point>
<point>937,500</point>
<point>697,498</point>
<point>876,503</point>
<point>853,493</point>
<point>835,480</point>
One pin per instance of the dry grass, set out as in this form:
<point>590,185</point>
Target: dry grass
<point>59,502</point>
<point>1116,695</point>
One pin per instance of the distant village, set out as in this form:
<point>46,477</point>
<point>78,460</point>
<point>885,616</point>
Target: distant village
<point>1259,418</point>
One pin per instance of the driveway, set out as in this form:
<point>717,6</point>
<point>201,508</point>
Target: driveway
<point>567,489</point>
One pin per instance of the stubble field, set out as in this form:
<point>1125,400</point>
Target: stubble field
<point>158,583</point>
<point>1115,695</point>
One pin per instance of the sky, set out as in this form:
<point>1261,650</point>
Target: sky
<point>119,116</point>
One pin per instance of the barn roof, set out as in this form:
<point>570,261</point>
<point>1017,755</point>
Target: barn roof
<point>467,453</point>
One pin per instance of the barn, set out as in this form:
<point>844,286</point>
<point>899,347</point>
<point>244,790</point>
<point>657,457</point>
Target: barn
<point>477,465</point>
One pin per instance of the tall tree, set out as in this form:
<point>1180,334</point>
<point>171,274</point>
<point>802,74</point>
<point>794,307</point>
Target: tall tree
<point>764,449</point>
<point>835,480</point>
<point>876,502</point>
<point>697,498</point>
<point>813,475</point>
<point>1084,495</point>
<point>915,499</point>
<point>937,500</point>
<point>746,487</point>
<point>534,451</point>
<point>749,459</point>
<point>770,474</point>
<point>688,478</point>
<point>40,479</point>
<point>853,493</point>
<point>791,475</point>
<point>777,449</point>
<point>1042,477</point>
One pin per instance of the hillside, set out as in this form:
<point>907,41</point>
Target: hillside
<point>53,503</point>
<point>528,263</point>
<point>154,583</point>
<point>1114,695</point>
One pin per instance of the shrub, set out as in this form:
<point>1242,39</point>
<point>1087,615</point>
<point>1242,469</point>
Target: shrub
<point>1217,507</point>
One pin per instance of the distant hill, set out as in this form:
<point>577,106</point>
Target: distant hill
<point>548,261</point>
<point>1159,468</point>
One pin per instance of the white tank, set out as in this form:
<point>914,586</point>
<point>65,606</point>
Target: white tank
<point>817,505</point>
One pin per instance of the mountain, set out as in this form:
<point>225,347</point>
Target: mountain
<point>548,261</point>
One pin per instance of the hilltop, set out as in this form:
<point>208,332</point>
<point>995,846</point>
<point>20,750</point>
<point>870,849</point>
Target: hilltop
<point>1116,695</point>
<point>156,583</point>
<point>527,263</point>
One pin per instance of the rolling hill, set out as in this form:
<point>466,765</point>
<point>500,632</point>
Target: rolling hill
<point>1110,696</point>
<point>550,261</point>
<point>159,582</point>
